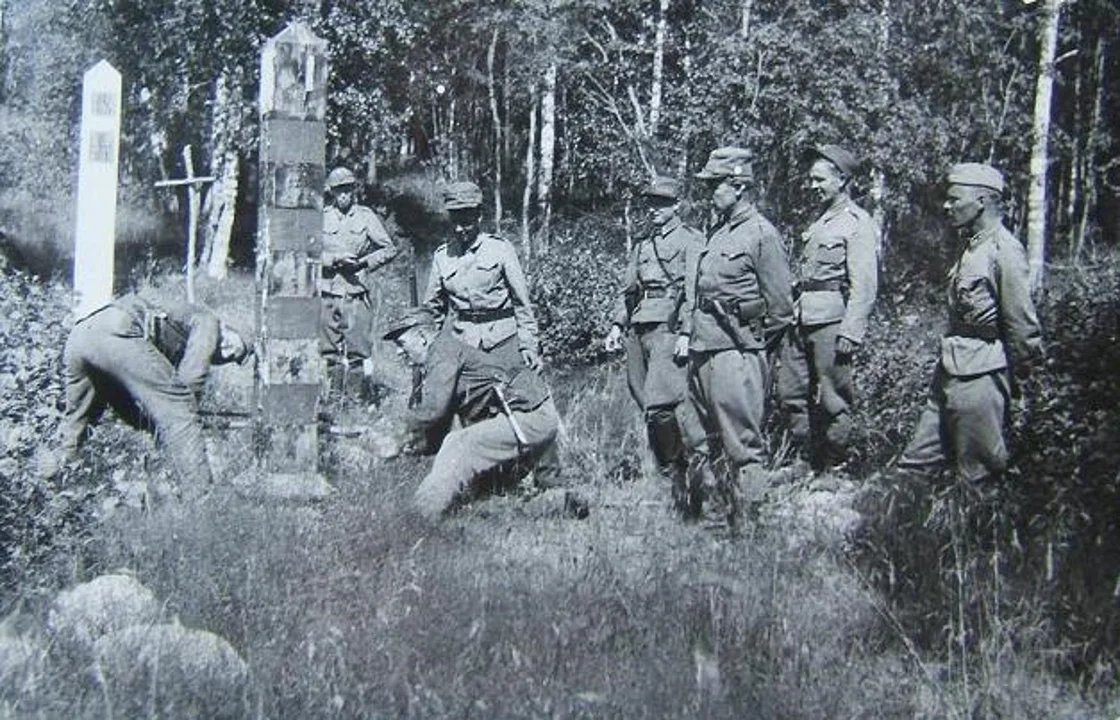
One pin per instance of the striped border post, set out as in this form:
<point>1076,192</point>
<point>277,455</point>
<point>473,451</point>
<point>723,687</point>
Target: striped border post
<point>293,105</point>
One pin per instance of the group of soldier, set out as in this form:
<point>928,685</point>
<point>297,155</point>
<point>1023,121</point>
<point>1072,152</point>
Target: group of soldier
<point>719,327</point>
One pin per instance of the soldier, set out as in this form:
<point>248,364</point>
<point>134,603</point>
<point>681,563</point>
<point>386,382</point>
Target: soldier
<point>993,341</point>
<point>354,244</point>
<point>835,290</point>
<point>149,363</point>
<point>477,287</point>
<point>649,308</point>
<point>508,417</point>
<point>737,305</point>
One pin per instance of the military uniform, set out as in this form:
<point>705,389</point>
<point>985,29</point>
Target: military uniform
<point>834,294</point>
<point>346,317</point>
<point>993,329</point>
<point>482,294</point>
<point>149,364</point>
<point>507,414</point>
<point>649,307</point>
<point>738,297</point>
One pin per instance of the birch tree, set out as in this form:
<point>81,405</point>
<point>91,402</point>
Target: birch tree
<point>548,153</point>
<point>1040,147</point>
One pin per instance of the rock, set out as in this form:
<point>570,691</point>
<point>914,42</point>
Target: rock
<point>83,614</point>
<point>172,671</point>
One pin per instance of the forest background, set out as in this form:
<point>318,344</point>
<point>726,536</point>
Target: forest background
<point>561,110</point>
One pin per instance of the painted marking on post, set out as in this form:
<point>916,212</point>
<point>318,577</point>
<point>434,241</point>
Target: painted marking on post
<point>95,225</point>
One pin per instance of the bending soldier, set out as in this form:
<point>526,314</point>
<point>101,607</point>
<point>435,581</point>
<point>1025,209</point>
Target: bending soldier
<point>355,243</point>
<point>835,290</point>
<point>509,419</point>
<point>149,363</point>
<point>737,305</point>
<point>993,340</point>
<point>649,308</point>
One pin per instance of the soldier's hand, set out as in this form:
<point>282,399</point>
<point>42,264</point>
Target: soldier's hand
<point>613,341</point>
<point>680,350</point>
<point>845,347</point>
<point>531,359</point>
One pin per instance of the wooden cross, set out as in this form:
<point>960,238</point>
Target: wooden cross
<point>194,200</point>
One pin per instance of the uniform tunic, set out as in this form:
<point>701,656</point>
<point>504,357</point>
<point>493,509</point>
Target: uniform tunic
<point>469,382</point>
<point>993,326</point>
<point>738,295</point>
<point>149,364</point>
<point>483,294</point>
<point>649,306</point>
<point>346,317</point>
<point>838,281</point>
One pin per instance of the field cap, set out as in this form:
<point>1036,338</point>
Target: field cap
<point>976,174</point>
<point>412,317</point>
<point>461,195</point>
<point>341,176</point>
<point>733,162</point>
<point>663,187</point>
<point>844,161</point>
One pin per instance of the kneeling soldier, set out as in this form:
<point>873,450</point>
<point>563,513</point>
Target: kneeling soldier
<point>149,363</point>
<point>506,409</point>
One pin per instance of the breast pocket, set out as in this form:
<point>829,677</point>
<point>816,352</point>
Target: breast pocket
<point>973,295</point>
<point>733,264</point>
<point>485,282</point>
<point>831,255</point>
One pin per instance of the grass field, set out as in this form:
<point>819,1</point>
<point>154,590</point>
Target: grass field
<point>351,607</point>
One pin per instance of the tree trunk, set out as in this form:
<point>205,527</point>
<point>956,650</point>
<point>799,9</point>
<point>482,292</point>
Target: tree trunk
<point>745,19</point>
<point>878,190</point>
<point>530,175</point>
<point>1040,149</point>
<point>548,155</point>
<point>221,200</point>
<point>658,67</point>
<point>1089,202</point>
<point>497,121</point>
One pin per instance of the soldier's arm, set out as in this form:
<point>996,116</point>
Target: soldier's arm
<point>519,294</point>
<point>381,247</point>
<point>774,282</point>
<point>1018,319</point>
<point>863,279</point>
<point>688,303</point>
<point>435,299</point>
<point>201,344</point>
<point>624,302</point>
<point>441,377</point>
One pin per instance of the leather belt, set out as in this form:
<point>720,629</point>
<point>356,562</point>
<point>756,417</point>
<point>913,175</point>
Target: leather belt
<point>484,316</point>
<point>969,330</point>
<point>655,293</point>
<point>819,285</point>
<point>742,310</point>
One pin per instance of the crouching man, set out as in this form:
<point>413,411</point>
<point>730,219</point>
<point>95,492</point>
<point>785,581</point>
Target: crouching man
<point>148,363</point>
<point>508,417</point>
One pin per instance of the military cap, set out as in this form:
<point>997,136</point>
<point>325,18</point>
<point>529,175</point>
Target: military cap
<point>460,195</point>
<point>844,161</point>
<point>977,174</point>
<point>341,176</point>
<point>412,317</point>
<point>730,162</point>
<point>663,187</point>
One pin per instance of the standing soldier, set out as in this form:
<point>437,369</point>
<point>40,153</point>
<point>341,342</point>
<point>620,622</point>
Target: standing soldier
<point>149,363</point>
<point>737,306</point>
<point>837,278</point>
<point>354,244</point>
<point>477,286</point>
<point>993,340</point>
<point>649,308</point>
